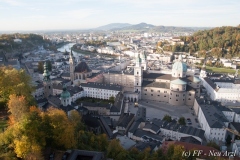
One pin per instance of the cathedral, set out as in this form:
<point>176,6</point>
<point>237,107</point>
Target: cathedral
<point>176,88</point>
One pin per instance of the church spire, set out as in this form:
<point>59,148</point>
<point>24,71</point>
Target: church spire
<point>46,74</point>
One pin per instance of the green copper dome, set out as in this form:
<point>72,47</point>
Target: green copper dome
<point>65,94</point>
<point>180,66</point>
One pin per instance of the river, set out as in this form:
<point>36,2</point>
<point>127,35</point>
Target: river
<point>67,47</point>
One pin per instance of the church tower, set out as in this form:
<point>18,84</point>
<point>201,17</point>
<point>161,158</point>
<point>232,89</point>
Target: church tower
<point>47,82</point>
<point>71,66</point>
<point>138,76</point>
<point>144,60</point>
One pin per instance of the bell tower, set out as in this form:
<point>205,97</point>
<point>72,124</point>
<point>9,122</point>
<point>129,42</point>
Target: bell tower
<point>138,74</point>
<point>47,83</point>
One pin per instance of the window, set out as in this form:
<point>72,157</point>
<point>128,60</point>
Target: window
<point>151,94</point>
<point>170,93</point>
<point>137,84</point>
<point>137,72</point>
<point>151,90</point>
<point>145,89</point>
<point>189,94</point>
<point>49,87</point>
<point>183,99</point>
<point>176,99</point>
<point>158,95</point>
<point>145,94</point>
<point>189,98</point>
<point>159,91</point>
<point>165,96</point>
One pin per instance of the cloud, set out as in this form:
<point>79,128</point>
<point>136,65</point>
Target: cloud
<point>12,2</point>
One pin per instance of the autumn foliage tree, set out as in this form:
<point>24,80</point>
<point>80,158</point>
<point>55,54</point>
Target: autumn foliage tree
<point>16,82</point>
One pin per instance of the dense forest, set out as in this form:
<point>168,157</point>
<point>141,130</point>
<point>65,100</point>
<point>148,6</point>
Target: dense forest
<point>218,42</point>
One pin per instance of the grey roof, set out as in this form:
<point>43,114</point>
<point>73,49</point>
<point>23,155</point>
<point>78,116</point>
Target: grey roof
<point>141,146</point>
<point>156,76</point>
<point>125,142</point>
<point>60,80</point>
<point>54,100</point>
<point>109,132</point>
<point>152,126</point>
<point>65,74</point>
<point>156,84</point>
<point>42,100</point>
<point>125,120</point>
<point>190,139</point>
<point>235,126</point>
<point>179,128</point>
<point>135,125</point>
<point>236,110</point>
<point>77,154</point>
<point>58,86</point>
<point>147,135</point>
<point>102,86</point>
<point>74,89</point>
<point>213,114</point>
<point>82,67</point>
<point>210,82</point>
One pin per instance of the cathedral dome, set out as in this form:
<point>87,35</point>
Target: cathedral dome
<point>82,68</point>
<point>179,66</point>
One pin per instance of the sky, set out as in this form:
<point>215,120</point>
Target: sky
<point>27,15</point>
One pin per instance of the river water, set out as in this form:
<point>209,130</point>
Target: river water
<point>67,47</point>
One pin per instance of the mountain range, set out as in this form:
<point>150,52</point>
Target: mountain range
<point>144,27</point>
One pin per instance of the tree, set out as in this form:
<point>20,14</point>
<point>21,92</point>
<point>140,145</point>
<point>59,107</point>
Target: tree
<point>114,148</point>
<point>29,138</point>
<point>182,121</point>
<point>178,150</point>
<point>167,118</point>
<point>17,106</point>
<point>213,144</point>
<point>111,99</point>
<point>16,82</point>
<point>63,131</point>
<point>159,154</point>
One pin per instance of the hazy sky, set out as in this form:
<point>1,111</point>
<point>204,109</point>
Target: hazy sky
<point>82,14</point>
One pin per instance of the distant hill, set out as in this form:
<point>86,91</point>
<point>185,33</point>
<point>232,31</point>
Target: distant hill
<point>144,27</point>
<point>138,27</point>
<point>113,26</point>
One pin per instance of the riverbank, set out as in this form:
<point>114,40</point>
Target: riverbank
<point>94,53</point>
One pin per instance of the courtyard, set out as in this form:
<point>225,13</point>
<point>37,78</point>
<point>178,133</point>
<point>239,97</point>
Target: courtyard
<point>158,110</point>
